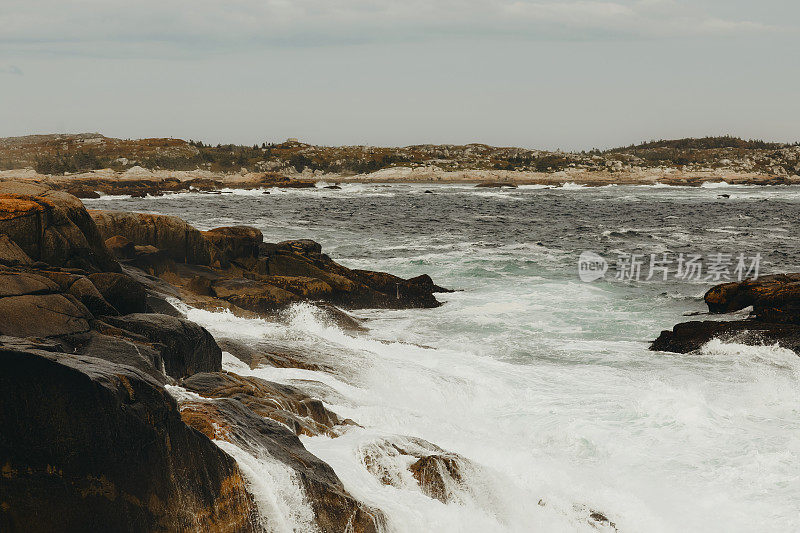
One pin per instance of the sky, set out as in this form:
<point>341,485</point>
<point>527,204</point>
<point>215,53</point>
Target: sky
<point>569,75</point>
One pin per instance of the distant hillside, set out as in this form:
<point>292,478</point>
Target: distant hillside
<point>72,153</point>
<point>702,143</point>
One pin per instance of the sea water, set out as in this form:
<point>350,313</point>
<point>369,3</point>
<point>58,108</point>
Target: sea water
<point>543,382</point>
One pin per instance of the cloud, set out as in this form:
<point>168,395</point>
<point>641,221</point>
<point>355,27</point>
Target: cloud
<point>11,69</point>
<point>209,24</point>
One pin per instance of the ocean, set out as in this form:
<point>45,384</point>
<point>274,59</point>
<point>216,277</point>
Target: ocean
<point>542,381</point>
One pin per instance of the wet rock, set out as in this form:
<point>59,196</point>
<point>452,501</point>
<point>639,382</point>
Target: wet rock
<point>335,510</point>
<point>439,474</point>
<point>251,275</point>
<point>414,292</point>
<point>120,290</point>
<point>187,347</point>
<point>90,445</point>
<point>159,305</point>
<point>268,354</point>
<point>434,473</point>
<point>339,318</point>
<point>283,403</point>
<point>690,336</point>
<point>88,294</point>
<point>121,347</point>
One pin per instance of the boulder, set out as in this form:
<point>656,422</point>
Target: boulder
<point>122,291</point>
<point>181,241</point>
<point>690,336</point>
<point>414,292</point>
<point>729,297</point>
<point>86,292</point>
<point>17,283</point>
<point>121,347</point>
<point>305,247</point>
<point>43,315</point>
<point>438,473</point>
<point>53,227</point>
<point>152,260</point>
<point>82,191</point>
<point>235,242</point>
<point>89,445</point>
<point>186,347</point>
<point>120,247</point>
<point>781,304</point>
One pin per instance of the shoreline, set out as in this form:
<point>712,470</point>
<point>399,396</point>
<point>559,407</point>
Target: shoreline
<point>143,182</point>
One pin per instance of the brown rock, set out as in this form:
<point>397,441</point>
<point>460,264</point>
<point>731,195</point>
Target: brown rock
<point>690,336</point>
<point>282,403</point>
<point>53,227</point>
<point>11,254</point>
<point>82,191</point>
<point>185,347</point>
<point>308,288</point>
<point>253,295</point>
<point>120,290</point>
<point>729,297</point>
<point>334,508</point>
<point>181,241</point>
<point>42,315</point>
<point>236,242</point>
<point>15,283</point>
<point>438,473</point>
<point>89,445</point>
<point>120,247</point>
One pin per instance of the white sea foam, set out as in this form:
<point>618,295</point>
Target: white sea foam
<point>282,503</point>
<point>541,381</point>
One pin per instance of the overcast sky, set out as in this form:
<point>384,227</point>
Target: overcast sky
<point>543,74</point>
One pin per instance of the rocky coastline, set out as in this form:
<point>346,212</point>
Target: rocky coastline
<point>116,413</point>
<point>89,164</point>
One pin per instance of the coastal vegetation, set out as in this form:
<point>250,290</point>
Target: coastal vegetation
<point>69,154</point>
